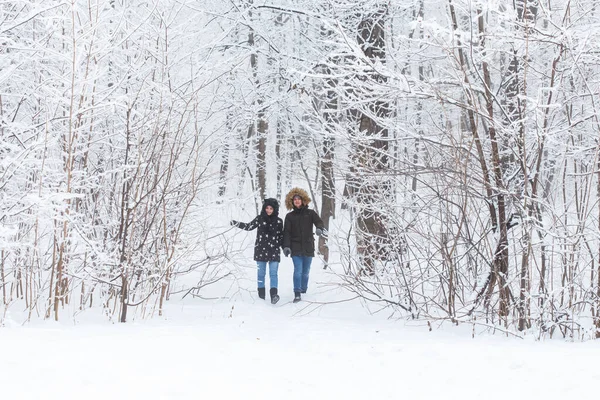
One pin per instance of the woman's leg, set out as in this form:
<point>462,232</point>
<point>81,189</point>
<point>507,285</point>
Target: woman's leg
<point>273,268</point>
<point>262,269</point>
<point>306,261</point>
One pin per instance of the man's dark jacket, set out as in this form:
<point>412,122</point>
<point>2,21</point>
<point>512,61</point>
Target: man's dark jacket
<point>298,227</point>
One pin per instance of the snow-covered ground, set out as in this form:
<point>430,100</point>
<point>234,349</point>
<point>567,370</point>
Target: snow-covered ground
<point>245,348</point>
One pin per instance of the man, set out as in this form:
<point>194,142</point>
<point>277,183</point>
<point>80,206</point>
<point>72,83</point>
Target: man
<point>298,240</point>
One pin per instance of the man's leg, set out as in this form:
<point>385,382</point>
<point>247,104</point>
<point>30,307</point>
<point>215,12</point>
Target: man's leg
<point>297,260</point>
<point>306,262</point>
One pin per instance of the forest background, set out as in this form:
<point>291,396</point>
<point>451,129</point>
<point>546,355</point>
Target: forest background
<point>451,148</point>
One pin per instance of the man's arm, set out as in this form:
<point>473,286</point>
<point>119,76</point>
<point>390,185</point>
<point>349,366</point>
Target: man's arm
<point>280,233</point>
<point>317,221</point>
<point>287,233</point>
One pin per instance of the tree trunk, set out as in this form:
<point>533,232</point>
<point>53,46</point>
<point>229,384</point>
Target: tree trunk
<point>327,193</point>
<point>472,102</point>
<point>370,187</point>
<point>2,278</point>
<point>278,156</point>
<point>500,262</point>
<point>224,168</point>
<point>260,124</point>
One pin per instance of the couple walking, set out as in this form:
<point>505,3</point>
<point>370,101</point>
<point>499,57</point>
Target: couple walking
<point>295,237</point>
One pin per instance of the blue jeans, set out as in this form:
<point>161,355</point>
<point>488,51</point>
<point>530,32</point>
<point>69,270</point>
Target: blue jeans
<point>262,270</point>
<point>301,271</point>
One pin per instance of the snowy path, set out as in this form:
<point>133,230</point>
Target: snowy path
<point>254,350</point>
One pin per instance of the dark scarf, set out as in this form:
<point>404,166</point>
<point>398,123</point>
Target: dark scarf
<point>271,221</point>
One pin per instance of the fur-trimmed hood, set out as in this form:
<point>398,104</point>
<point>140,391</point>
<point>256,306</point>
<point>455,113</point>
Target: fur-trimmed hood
<point>289,204</point>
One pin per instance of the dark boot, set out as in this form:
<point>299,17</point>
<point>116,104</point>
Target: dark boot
<point>261,292</point>
<point>274,295</point>
<point>297,297</point>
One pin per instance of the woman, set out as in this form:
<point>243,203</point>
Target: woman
<point>298,240</point>
<point>269,239</point>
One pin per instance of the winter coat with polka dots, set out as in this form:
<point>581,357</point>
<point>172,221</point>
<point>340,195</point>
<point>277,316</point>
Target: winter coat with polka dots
<point>269,236</point>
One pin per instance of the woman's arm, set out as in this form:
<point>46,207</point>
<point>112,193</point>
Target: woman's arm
<point>247,227</point>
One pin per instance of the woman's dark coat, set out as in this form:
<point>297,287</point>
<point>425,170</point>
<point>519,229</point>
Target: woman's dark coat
<point>269,236</point>
<point>298,227</point>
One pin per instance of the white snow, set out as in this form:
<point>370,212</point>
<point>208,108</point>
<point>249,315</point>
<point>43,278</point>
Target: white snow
<point>247,348</point>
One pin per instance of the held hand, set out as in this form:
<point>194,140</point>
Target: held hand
<point>287,251</point>
<point>320,232</point>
